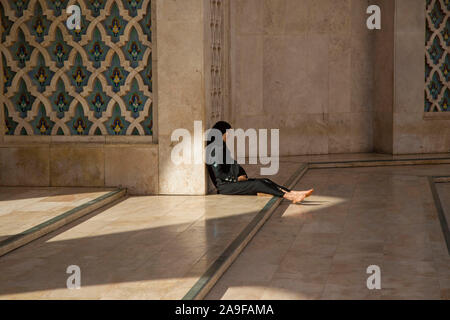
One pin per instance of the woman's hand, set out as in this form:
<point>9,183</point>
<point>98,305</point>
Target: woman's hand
<point>242,178</point>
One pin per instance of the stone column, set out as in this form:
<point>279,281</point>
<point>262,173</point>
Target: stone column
<point>384,79</point>
<point>181,74</point>
<point>414,130</point>
<point>400,124</point>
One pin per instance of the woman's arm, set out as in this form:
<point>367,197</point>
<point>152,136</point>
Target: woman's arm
<point>224,173</point>
<point>242,175</point>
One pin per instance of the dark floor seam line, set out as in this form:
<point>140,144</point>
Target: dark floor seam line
<point>380,160</point>
<point>440,210</point>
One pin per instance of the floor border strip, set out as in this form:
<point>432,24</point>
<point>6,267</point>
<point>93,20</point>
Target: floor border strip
<point>378,163</point>
<point>441,214</point>
<point>229,255</point>
<point>18,240</point>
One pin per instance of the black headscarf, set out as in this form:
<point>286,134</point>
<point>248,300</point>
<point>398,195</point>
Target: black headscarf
<point>222,126</point>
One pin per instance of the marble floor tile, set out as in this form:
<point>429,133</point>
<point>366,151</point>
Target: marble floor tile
<point>22,208</point>
<point>383,216</point>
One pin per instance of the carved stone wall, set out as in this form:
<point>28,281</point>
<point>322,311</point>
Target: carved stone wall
<point>96,81</point>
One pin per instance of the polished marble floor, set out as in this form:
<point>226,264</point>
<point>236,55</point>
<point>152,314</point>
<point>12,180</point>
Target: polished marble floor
<point>22,208</point>
<point>357,217</point>
<point>152,247</point>
<point>157,247</point>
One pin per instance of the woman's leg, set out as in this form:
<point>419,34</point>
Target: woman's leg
<point>307,193</point>
<point>253,187</point>
<point>250,187</point>
<point>276,185</point>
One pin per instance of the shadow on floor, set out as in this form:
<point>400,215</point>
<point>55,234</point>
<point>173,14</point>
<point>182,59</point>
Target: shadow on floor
<point>166,252</point>
<point>171,252</point>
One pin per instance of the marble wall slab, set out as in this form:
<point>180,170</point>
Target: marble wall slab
<point>77,166</point>
<point>313,70</point>
<point>303,67</point>
<point>130,166</point>
<point>25,166</point>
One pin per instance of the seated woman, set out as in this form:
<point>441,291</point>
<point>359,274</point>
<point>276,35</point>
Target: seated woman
<point>231,179</point>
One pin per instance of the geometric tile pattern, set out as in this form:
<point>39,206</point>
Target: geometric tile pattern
<point>437,56</point>
<point>93,81</point>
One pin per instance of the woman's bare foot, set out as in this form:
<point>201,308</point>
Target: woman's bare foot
<point>295,197</point>
<point>306,193</point>
<point>299,198</point>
